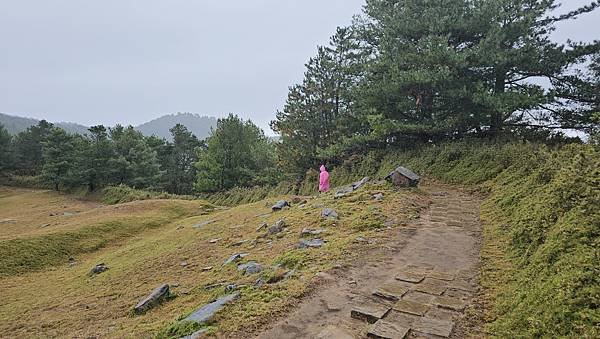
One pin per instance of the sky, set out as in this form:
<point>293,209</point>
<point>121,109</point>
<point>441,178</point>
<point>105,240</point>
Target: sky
<point>128,61</point>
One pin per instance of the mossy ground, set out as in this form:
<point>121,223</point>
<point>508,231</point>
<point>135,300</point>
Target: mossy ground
<point>147,245</point>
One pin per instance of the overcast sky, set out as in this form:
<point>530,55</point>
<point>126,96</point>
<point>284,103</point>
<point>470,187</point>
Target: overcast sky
<point>126,61</point>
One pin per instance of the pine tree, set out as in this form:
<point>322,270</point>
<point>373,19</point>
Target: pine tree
<point>28,148</point>
<point>180,169</point>
<point>58,158</point>
<point>135,163</point>
<point>5,149</point>
<point>237,154</point>
<point>96,159</point>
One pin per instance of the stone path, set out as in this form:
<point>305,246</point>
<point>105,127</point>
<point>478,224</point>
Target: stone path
<point>418,286</point>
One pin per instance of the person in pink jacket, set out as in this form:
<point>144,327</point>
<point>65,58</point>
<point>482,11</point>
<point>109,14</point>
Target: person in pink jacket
<point>323,180</point>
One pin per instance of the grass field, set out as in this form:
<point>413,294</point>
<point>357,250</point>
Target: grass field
<point>145,242</point>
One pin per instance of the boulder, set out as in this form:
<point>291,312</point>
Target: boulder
<point>206,312</point>
<point>250,268</point>
<point>97,269</point>
<point>310,231</point>
<point>378,196</point>
<point>234,257</point>
<point>403,177</point>
<point>281,204</point>
<point>329,213</point>
<point>154,298</point>
<point>312,243</point>
<point>277,227</point>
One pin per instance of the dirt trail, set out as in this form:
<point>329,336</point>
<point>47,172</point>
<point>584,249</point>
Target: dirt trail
<point>431,267</point>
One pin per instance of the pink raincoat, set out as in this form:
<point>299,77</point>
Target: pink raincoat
<point>324,180</point>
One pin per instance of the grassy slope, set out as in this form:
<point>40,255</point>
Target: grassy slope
<point>542,224</point>
<point>61,300</point>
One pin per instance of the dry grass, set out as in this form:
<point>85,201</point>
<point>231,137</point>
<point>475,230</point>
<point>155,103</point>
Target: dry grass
<point>62,301</point>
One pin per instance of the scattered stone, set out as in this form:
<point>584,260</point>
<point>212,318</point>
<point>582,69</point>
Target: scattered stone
<point>259,282</point>
<point>8,221</point>
<point>378,196</point>
<point>419,297</point>
<point>432,326</point>
<point>231,288</point>
<point>69,214</point>
<point>411,307</point>
<point>44,225</point>
<point>360,239</point>
<point>369,311</point>
<point>213,241</point>
<point>331,306</point>
<point>234,257</point>
<point>263,225</point>
<point>183,263</point>
<point>342,192</point>
<point>310,231</point>
<point>213,286</point>
<point>154,298</point>
<point>96,269</point>
<point>204,223</point>
<point>329,213</point>
<point>277,227</point>
<point>450,303</point>
<point>314,243</point>
<point>206,312</point>
<point>239,243</point>
<point>175,285</point>
<point>391,291</point>
<point>403,177</point>
<point>410,277</point>
<point>360,183</point>
<point>297,200</point>
<point>207,268</point>
<point>386,330</point>
<point>179,227</point>
<point>250,268</point>
<point>281,204</point>
<point>325,276</point>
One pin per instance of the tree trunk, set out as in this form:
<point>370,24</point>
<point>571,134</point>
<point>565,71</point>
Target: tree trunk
<point>497,119</point>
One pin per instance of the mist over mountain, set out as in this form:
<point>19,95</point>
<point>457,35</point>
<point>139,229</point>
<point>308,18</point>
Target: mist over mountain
<point>197,124</point>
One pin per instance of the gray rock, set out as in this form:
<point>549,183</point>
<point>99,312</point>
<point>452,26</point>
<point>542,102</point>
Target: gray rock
<point>206,312</point>
<point>239,243</point>
<point>44,225</point>
<point>403,177</point>
<point>263,225</point>
<point>98,269</point>
<point>213,241</point>
<point>314,243</point>
<point>183,264</point>
<point>250,268</point>
<point>231,288</point>
<point>277,227</point>
<point>68,214</point>
<point>360,183</point>
<point>329,213</point>
<point>342,192</point>
<point>281,204</point>
<point>309,231</point>
<point>204,223</point>
<point>154,298</point>
<point>378,196</point>
<point>8,221</point>
<point>234,258</point>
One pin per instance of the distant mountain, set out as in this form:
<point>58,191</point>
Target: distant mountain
<point>15,125</point>
<point>199,125</point>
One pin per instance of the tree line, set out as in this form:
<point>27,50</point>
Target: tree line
<point>409,71</point>
<point>237,153</point>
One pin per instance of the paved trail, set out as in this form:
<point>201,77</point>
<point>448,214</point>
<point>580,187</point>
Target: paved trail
<point>417,286</point>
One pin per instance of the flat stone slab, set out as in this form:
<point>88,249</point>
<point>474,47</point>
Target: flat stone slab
<point>437,327</point>
<point>430,288</point>
<point>312,243</point>
<point>204,223</point>
<point>440,275</point>
<point>412,277</point>
<point>401,319</point>
<point>234,257</point>
<point>459,294</point>
<point>206,312</point>
<point>411,307</point>
<point>463,286</point>
<point>450,303</point>
<point>441,314</point>
<point>369,311</point>
<point>419,297</point>
<point>391,291</point>
<point>387,330</point>
<point>158,295</point>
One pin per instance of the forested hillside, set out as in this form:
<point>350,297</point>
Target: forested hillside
<point>200,126</point>
<point>15,125</point>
